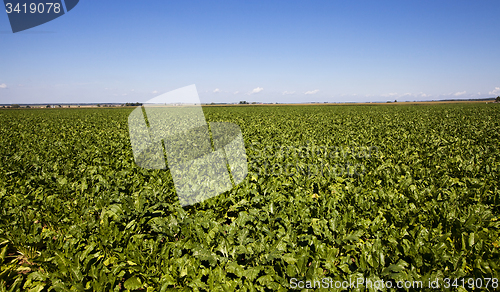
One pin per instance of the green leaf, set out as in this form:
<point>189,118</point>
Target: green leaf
<point>252,272</point>
<point>471,239</point>
<point>289,259</point>
<point>234,268</point>
<point>133,283</point>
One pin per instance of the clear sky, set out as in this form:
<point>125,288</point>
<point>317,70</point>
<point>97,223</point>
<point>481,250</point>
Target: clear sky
<point>267,51</point>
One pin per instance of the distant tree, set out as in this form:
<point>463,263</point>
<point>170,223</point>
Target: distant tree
<point>243,102</point>
<point>47,106</point>
<point>498,99</point>
<point>98,105</point>
<point>28,106</point>
<point>133,104</point>
<point>395,100</point>
<point>15,106</point>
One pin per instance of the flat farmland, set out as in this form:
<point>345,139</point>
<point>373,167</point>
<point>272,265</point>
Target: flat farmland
<point>375,192</point>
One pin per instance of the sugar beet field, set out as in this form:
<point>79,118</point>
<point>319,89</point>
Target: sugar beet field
<point>385,193</point>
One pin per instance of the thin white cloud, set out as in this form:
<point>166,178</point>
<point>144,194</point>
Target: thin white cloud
<point>133,90</point>
<point>154,92</point>
<point>257,90</point>
<point>494,91</point>
<point>216,90</point>
<point>288,92</point>
<point>236,92</point>
<point>460,93</point>
<point>312,91</point>
<point>3,85</point>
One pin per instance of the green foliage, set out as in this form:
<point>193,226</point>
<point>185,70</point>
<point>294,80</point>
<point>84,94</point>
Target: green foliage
<point>133,104</point>
<point>76,213</point>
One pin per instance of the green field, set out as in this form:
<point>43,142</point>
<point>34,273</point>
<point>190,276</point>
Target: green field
<point>386,192</point>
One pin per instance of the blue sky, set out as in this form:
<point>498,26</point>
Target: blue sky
<point>267,51</point>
